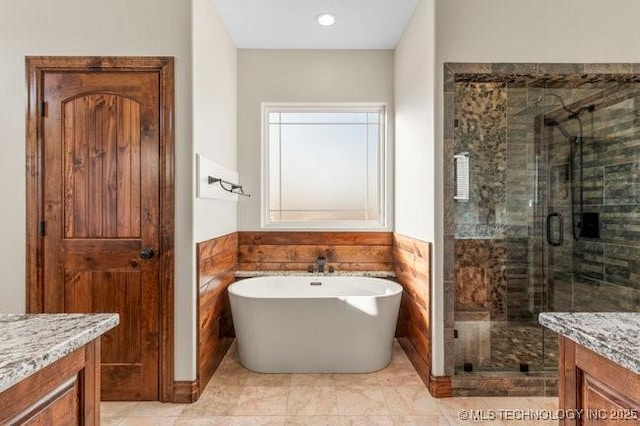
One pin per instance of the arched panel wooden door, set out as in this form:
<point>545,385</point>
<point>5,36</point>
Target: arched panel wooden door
<point>101,209</point>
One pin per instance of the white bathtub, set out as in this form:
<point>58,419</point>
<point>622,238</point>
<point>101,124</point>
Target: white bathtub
<point>290,324</point>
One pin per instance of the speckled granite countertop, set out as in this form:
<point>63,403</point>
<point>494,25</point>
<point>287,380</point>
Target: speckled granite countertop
<point>376,274</point>
<point>29,343</point>
<point>614,335</point>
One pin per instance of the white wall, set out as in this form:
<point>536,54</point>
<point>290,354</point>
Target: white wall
<point>414,98</point>
<point>214,98</point>
<point>574,31</point>
<point>416,150</point>
<point>81,27</point>
<point>538,31</point>
<point>303,76</point>
<point>214,113</point>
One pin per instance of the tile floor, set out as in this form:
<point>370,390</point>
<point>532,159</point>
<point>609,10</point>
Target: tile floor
<point>392,396</point>
<point>514,342</point>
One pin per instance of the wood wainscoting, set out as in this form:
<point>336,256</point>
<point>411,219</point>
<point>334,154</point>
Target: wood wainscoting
<point>412,265</point>
<point>409,258</point>
<point>217,260</point>
<point>297,251</point>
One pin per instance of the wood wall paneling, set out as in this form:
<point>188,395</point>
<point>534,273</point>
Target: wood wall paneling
<point>412,265</point>
<point>297,251</point>
<point>316,238</point>
<point>217,262</point>
<point>304,266</point>
<point>420,365</point>
<point>413,273</point>
<point>418,331</point>
<point>347,251</point>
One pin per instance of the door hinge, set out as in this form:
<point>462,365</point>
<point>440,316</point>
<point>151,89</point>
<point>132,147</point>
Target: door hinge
<point>41,230</point>
<point>43,109</point>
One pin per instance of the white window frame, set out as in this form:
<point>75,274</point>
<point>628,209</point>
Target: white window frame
<point>378,225</point>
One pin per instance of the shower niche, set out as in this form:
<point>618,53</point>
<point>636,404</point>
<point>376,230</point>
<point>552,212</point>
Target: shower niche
<point>551,220</point>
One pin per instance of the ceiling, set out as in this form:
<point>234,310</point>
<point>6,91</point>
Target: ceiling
<point>291,24</point>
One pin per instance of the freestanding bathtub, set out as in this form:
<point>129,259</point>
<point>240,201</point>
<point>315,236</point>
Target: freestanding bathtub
<point>315,324</point>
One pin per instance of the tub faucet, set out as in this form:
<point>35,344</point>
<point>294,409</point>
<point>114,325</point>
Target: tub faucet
<point>321,261</point>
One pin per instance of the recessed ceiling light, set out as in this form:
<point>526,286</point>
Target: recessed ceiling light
<point>326,19</point>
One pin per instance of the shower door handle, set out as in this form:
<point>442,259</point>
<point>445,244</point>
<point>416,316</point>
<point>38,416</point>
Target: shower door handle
<point>550,239</point>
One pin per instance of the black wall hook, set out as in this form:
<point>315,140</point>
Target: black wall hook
<point>233,188</point>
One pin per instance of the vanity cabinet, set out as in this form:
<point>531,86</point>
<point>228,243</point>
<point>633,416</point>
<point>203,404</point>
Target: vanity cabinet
<point>50,368</point>
<point>66,392</point>
<point>599,366</point>
<point>594,390</point>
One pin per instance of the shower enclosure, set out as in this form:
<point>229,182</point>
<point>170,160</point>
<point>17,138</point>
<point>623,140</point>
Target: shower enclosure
<point>546,214</point>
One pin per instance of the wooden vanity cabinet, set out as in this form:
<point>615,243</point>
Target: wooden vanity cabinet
<point>64,393</point>
<point>594,390</point>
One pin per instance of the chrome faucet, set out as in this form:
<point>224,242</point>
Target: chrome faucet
<point>321,261</point>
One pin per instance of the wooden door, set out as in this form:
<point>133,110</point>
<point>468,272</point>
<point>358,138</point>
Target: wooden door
<point>100,191</point>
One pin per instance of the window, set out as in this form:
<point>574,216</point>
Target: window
<point>324,166</point>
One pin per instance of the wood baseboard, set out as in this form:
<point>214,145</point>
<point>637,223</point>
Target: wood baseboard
<point>186,392</point>
<point>440,386</point>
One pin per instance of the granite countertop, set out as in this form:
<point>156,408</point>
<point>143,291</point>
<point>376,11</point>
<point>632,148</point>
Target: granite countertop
<point>29,343</point>
<point>377,274</point>
<point>614,335</point>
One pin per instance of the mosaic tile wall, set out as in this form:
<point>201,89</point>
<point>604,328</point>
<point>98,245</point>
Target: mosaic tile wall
<point>481,282</point>
<point>492,241</point>
<point>480,131</point>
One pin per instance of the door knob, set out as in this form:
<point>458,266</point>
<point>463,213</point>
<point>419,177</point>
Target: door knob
<point>147,253</point>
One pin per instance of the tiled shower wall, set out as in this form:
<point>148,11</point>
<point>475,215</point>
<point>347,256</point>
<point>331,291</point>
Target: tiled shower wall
<point>606,270</point>
<point>499,266</point>
<point>481,281</point>
<point>480,131</point>
<point>492,232</point>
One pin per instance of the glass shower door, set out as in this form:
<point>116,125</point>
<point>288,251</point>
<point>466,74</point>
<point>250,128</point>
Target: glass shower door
<point>592,182</point>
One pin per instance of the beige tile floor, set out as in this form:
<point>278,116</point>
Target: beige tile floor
<point>393,396</point>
